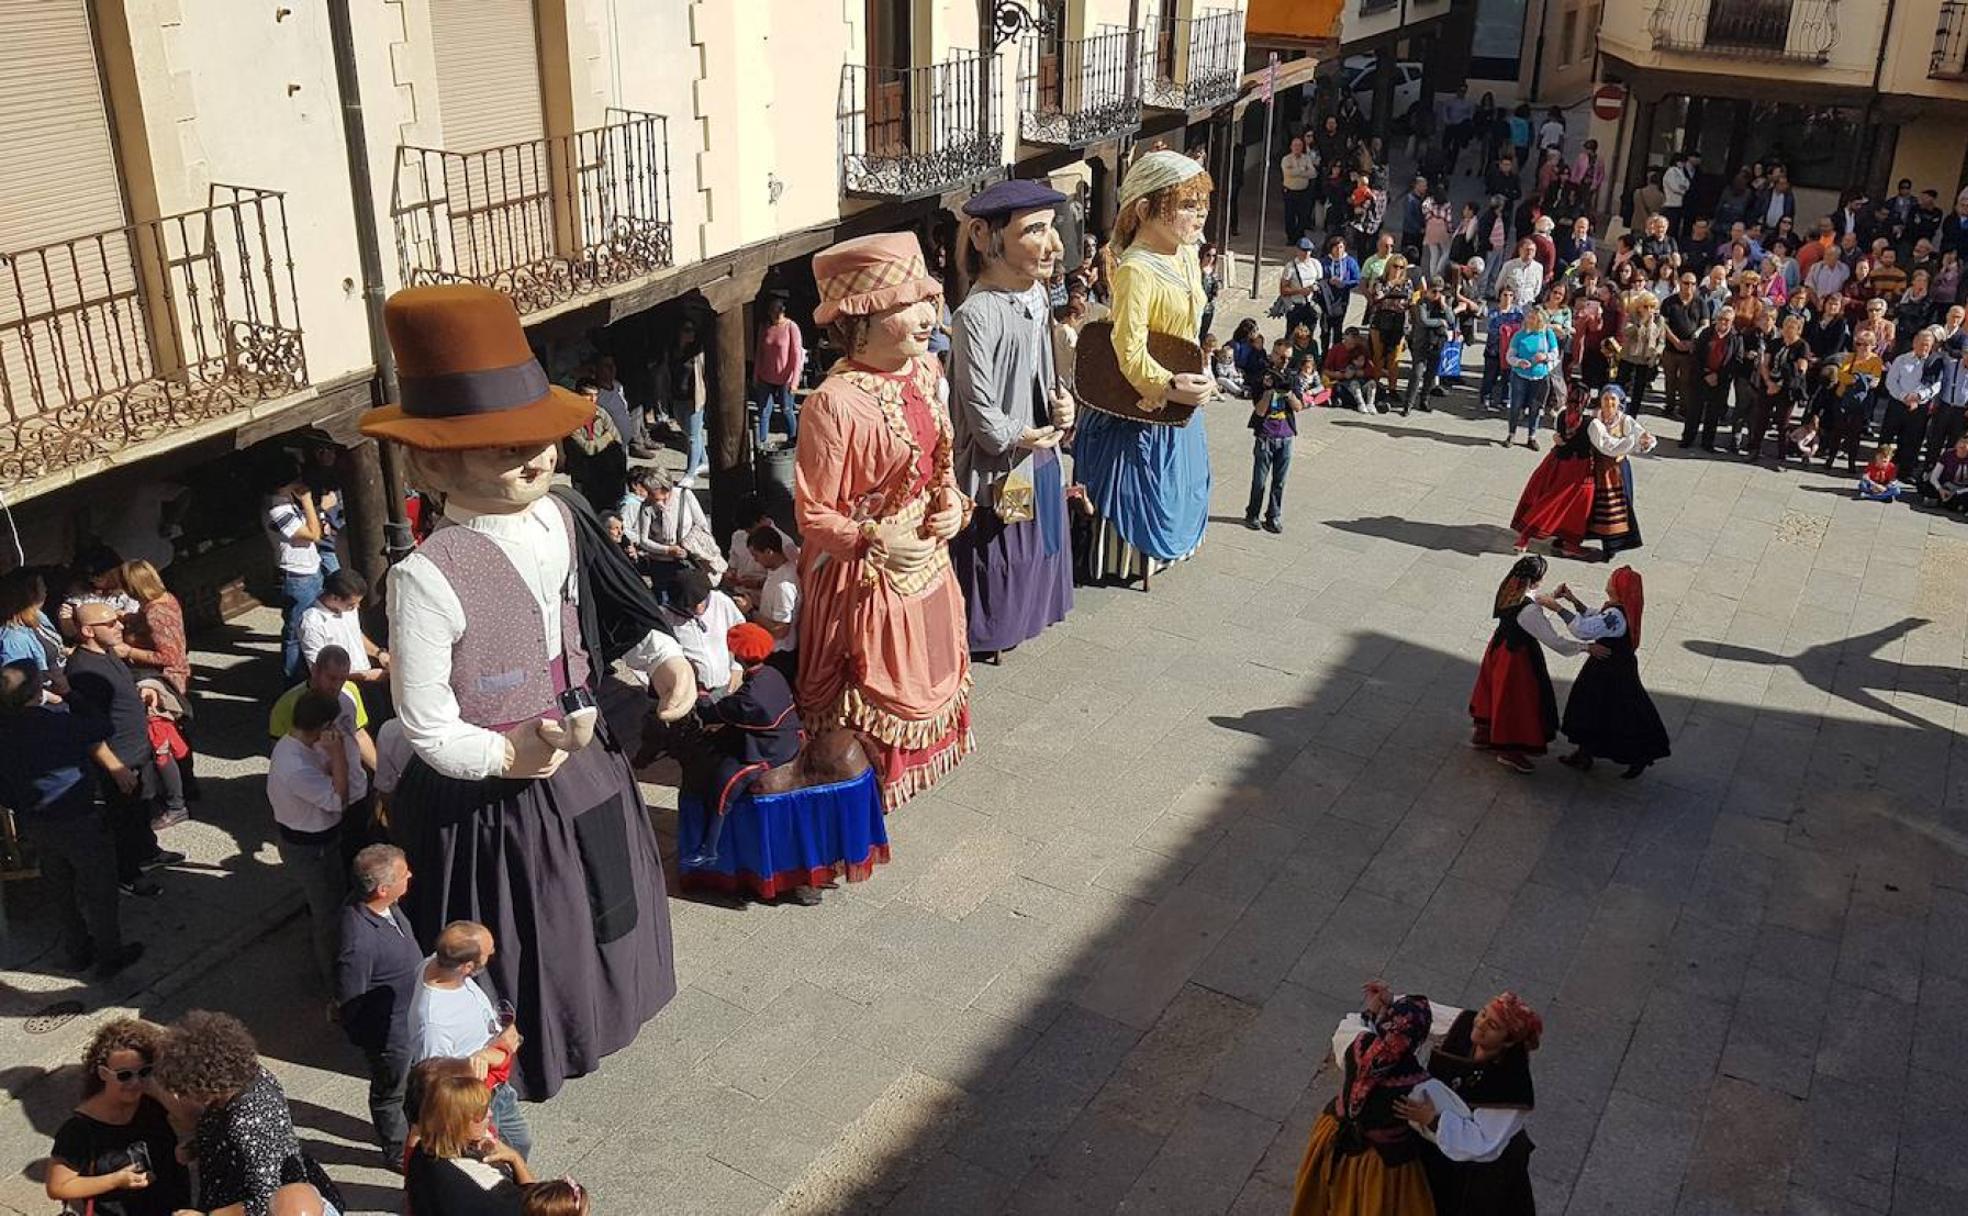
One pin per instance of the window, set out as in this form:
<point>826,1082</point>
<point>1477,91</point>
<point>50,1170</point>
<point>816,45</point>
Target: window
<point>1588,34</point>
<point>1569,38</point>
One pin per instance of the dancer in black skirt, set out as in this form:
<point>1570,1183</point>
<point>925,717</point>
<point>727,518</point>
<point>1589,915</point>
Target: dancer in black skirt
<point>1610,714</point>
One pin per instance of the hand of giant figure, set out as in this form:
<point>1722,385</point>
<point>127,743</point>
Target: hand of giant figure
<point>519,809</point>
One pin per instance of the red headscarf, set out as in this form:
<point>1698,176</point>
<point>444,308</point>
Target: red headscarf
<point>1625,587</point>
<point>749,643</point>
<point>1384,1058</point>
<point>1519,1021</point>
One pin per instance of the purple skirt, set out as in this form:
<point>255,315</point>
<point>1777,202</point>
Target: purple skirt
<point>1017,579</point>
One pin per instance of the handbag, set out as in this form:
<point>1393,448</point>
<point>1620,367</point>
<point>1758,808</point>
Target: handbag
<point>1449,363</point>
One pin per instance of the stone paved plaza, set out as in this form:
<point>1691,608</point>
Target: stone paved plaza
<point>1103,968</point>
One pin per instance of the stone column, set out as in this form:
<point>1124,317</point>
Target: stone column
<point>726,434</point>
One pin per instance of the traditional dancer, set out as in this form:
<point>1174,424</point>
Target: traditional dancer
<point>752,821</point>
<point>1609,713</point>
<point>1008,413</point>
<point>881,618</point>
<point>1557,501</point>
<point>1363,1158</point>
<point>520,810</point>
<point>1150,481</point>
<point>1616,435</point>
<point>1478,1156</point>
<point>1513,706</point>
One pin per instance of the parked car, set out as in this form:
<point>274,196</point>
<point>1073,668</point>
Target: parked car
<point>1358,72</point>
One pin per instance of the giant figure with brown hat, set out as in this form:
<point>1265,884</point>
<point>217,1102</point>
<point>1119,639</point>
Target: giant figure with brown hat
<point>520,811</point>
<point>1146,468</point>
<point>882,647</point>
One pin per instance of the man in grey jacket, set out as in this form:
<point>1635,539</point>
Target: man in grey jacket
<point>1008,414</point>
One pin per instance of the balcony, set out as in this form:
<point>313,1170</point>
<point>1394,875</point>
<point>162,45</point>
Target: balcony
<point>1193,63</point>
<point>906,132</point>
<point>1950,61</point>
<point>128,335</point>
<point>1078,91</point>
<point>1793,31</point>
<point>548,221</point>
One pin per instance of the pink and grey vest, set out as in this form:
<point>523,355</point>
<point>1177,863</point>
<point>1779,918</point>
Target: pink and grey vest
<point>501,673</point>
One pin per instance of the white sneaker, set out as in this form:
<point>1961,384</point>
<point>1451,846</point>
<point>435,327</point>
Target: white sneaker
<point>687,482</point>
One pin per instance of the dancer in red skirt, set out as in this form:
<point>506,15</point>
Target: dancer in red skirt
<point>1514,708</point>
<point>1556,504</point>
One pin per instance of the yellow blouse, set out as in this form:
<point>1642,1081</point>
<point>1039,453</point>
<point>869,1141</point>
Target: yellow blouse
<point>1154,291</point>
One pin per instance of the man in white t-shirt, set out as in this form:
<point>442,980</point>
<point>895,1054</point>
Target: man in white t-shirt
<point>293,526</point>
<point>1675,184</point>
<point>452,1018</point>
<point>314,776</point>
<point>335,620</point>
<point>778,602</point>
<point>699,619</point>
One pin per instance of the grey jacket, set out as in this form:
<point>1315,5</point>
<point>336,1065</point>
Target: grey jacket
<point>1001,380</point>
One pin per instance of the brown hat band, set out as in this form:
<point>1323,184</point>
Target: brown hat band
<point>487,391</point>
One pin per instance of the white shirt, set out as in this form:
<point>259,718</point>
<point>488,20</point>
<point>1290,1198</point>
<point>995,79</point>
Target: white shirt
<point>1635,439</point>
<point>703,640</point>
<point>1674,185</point>
<point>1773,215</point>
<point>779,603</point>
<point>1461,1133</point>
<point>1551,134</point>
<point>1526,276</point>
<point>392,756</point>
<point>322,626</point>
<point>283,520</point>
<point>630,509</point>
<point>1539,626</point>
<point>301,792</point>
<point>450,1023</point>
<point>743,569</point>
<point>655,649</point>
<point>427,619</point>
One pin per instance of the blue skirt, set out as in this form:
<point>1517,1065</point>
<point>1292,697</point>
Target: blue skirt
<point>775,842</point>
<point>1152,483</point>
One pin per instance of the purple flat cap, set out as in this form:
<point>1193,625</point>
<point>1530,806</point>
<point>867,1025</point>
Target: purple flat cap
<point>1009,197</point>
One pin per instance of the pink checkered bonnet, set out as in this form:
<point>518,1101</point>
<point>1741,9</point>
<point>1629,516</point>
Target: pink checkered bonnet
<point>870,274</point>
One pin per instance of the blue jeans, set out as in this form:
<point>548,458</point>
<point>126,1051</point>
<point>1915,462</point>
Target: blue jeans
<point>510,1124</point>
<point>1527,397</point>
<point>692,423</point>
<point>1270,458</point>
<point>780,395</point>
<point>300,591</point>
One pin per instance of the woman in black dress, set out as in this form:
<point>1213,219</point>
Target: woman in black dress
<point>1478,1157</point>
<point>244,1142</point>
<point>117,1155</point>
<point>1610,714</point>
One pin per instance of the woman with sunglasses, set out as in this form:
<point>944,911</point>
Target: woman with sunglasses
<point>117,1155</point>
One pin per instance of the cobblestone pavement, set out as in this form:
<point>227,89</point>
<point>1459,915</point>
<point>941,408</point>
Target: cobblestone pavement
<point>1102,970</point>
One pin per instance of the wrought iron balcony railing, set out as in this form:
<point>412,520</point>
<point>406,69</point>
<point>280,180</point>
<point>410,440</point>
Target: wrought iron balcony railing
<point>1078,91</point>
<point>118,337</point>
<point>546,221</point>
<point>1950,61</point>
<point>1193,63</point>
<point>1797,31</point>
<point>912,131</point>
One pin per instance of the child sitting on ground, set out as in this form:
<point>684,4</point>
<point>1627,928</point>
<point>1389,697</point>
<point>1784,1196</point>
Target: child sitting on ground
<point>1881,480</point>
<point>1802,442</point>
<point>1222,364</point>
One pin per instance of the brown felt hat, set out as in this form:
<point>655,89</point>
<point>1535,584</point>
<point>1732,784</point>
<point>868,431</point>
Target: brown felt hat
<point>467,378</point>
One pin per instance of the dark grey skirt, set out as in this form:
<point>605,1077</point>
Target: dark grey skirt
<point>566,874</point>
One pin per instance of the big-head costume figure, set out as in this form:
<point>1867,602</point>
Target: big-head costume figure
<point>1008,412</point>
<point>882,648</point>
<point>1150,480</point>
<point>519,811</point>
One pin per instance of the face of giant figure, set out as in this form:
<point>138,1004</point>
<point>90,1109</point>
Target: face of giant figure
<point>1180,221</point>
<point>1027,248</point>
<point>493,481</point>
<point>896,335</point>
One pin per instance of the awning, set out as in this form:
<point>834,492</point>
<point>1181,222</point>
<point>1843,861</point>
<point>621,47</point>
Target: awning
<point>1291,74</point>
<point>1288,22</point>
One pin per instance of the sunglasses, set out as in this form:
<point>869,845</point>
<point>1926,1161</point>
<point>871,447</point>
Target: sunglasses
<point>126,1075</point>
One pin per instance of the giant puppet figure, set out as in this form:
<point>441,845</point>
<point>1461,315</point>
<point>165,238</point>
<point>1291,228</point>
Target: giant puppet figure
<point>1149,477</point>
<point>881,617</point>
<point>519,811</point>
<point>1008,413</point>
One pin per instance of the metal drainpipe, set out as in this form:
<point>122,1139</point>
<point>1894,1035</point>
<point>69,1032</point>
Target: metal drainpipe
<point>362,197</point>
